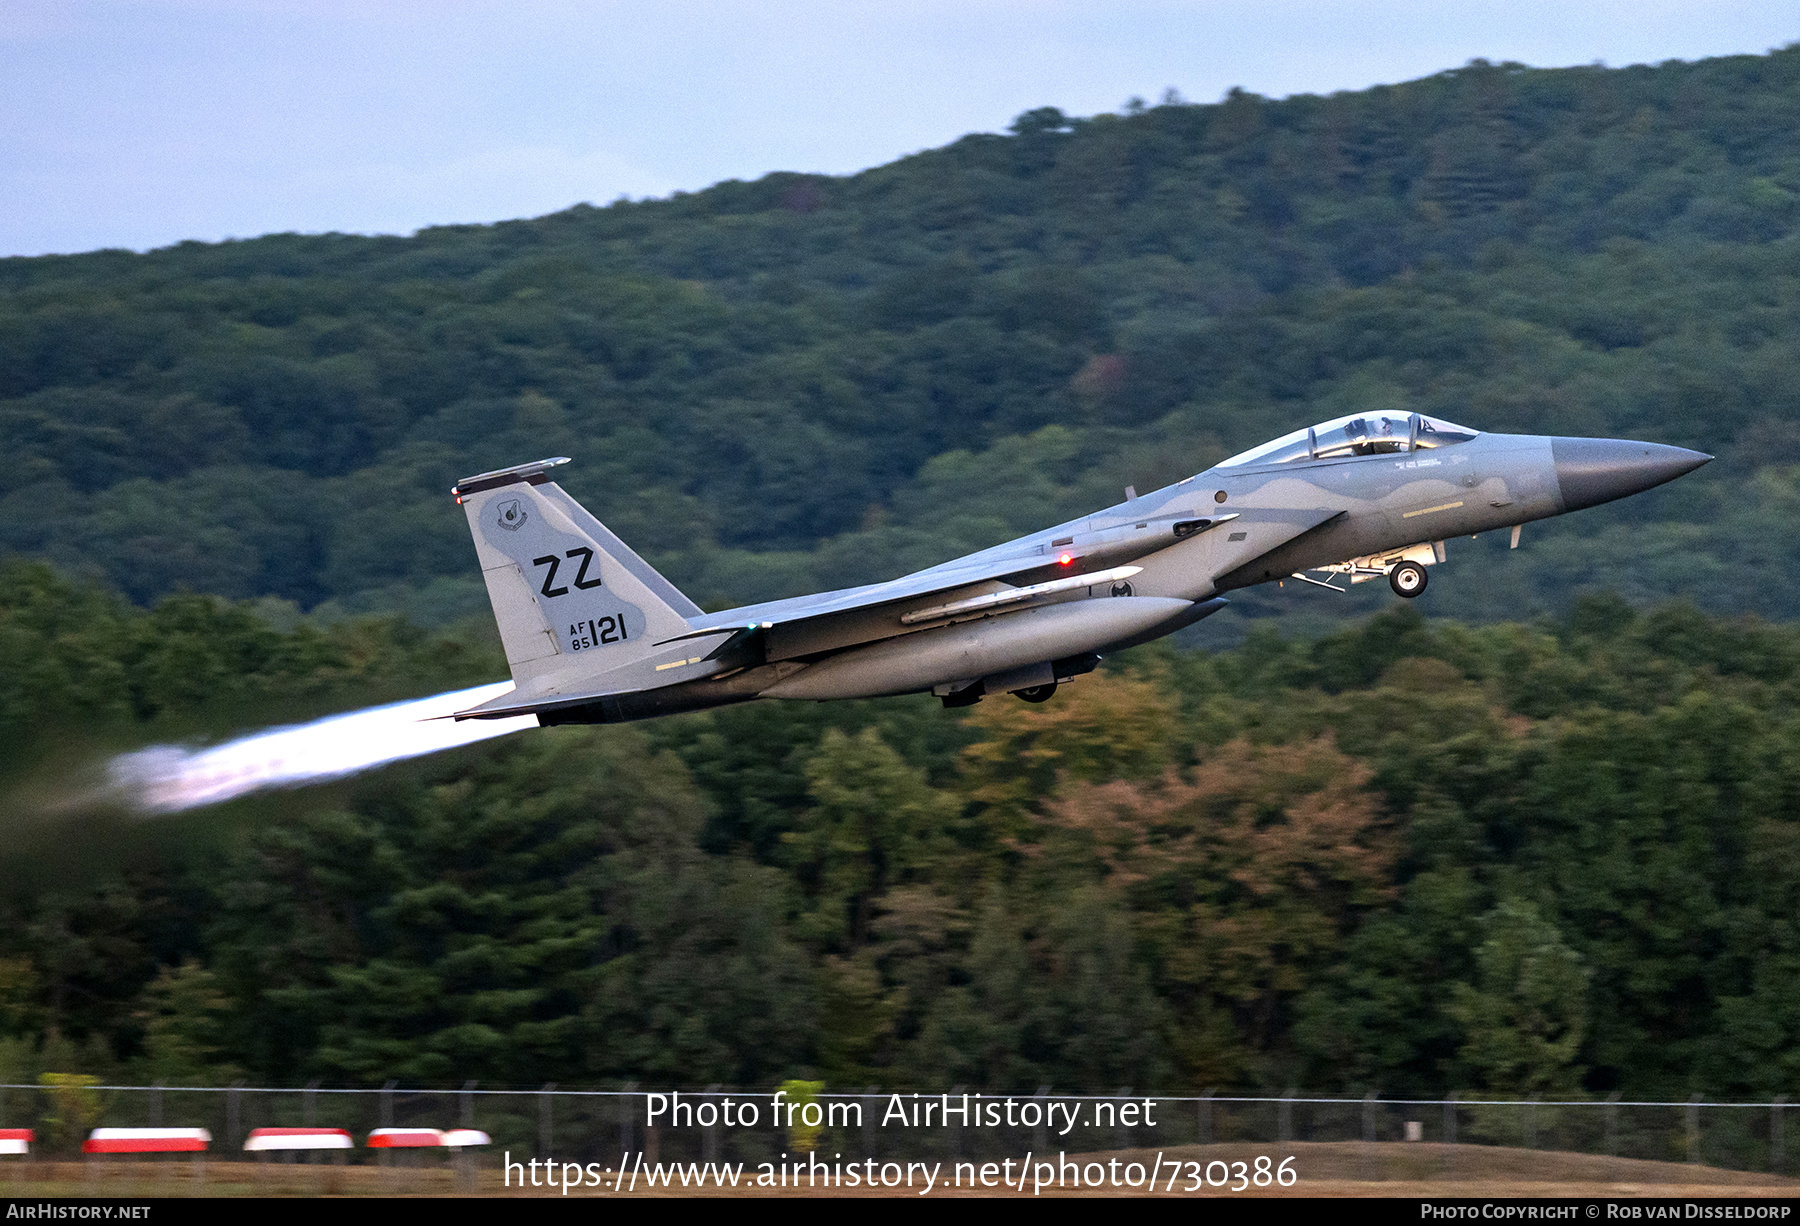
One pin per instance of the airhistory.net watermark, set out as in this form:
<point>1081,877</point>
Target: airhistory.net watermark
<point>675,1110</point>
<point>1028,1175</point>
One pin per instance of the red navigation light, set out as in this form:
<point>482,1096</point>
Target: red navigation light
<point>1065,559</point>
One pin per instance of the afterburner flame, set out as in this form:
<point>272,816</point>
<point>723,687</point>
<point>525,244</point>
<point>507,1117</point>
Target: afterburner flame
<point>169,778</point>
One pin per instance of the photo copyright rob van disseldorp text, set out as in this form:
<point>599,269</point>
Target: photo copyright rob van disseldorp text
<point>1030,1174</point>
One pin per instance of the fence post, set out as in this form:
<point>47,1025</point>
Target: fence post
<point>1450,1119</point>
<point>546,1119</point>
<point>1777,1136</point>
<point>873,1099</point>
<point>1038,1143</point>
<point>234,1116</point>
<point>309,1115</point>
<point>1612,1124</point>
<point>1693,1127</point>
<point>156,1116</point>
<point>1365,1158</point>
<point>1284,1116</point>
<point>1206,1120</point>
<point>386,1156</point>
<point>1531,1122</point>
<point>627,1118</point>
<point>1121,1131</point>
<point>465,1161</point>
<point>709,1140</point>
<point>954,1138</point>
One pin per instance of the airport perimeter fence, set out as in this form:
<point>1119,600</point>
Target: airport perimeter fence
<point>709,1125</point>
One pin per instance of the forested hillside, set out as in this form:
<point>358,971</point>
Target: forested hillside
<point>1533,833</point>
<point>1411,856</point>
<point>810,381</point>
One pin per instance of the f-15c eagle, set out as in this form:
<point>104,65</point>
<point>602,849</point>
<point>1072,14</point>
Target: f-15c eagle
<point>593,634</point>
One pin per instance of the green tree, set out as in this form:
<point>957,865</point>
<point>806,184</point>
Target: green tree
<point>874,822</point>
<point>183,1012</point>
<point>1525,1016</point>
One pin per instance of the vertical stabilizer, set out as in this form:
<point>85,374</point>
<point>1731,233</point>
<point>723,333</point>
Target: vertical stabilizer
<point>569,597</point>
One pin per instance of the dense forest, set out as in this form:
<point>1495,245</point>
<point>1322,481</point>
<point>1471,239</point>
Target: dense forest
<point>1534,833</point>
<point>1410,856</point>
<point>807,382</point>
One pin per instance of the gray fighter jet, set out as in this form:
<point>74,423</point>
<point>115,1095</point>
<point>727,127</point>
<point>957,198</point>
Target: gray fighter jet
<point>594,635</point>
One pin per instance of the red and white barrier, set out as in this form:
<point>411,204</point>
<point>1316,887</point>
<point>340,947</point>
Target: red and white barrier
<point>15,1140</point>
<point>456,1138</point>
<point>146,1141</point>
<point>298,1138</point>
<point>405,1138</point>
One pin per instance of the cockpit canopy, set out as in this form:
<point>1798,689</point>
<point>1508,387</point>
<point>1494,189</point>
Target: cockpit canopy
<point>1357,434</point>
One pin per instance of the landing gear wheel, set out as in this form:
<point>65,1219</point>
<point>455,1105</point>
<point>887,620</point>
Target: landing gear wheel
<point>1408,579</point>
<point>1037,693</point>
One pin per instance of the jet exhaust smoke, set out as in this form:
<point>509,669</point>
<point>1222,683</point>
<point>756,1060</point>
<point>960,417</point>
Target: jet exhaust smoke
<point>168,778</point>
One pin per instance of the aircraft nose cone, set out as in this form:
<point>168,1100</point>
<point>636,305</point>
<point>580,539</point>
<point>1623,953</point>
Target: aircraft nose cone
<point>1596,470</point>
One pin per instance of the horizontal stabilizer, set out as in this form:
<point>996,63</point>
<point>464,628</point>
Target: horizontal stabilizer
<point>513,703</point>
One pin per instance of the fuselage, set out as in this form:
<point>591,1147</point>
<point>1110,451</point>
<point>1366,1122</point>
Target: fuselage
<point>1238,524</point>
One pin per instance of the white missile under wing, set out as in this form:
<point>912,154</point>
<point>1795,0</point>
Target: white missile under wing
<point>594,634</point>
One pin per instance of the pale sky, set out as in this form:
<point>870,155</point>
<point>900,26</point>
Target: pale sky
<point>139,123</point>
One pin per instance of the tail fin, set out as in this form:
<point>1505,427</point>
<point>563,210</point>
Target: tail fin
<point>564,589</point>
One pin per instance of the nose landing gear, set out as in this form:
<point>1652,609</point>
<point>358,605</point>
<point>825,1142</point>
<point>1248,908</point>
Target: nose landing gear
<point>1404,569</point>
<point>1037,693</point>
<point>1408,579</point>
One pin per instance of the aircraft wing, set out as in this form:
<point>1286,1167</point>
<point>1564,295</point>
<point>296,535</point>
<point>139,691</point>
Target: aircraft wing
<point>1077,548</point>
<point>720,636</point>
<point>920,583</point>
<point>805,626</point>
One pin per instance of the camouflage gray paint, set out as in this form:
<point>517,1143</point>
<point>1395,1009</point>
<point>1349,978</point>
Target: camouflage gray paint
<point>1362,495</point>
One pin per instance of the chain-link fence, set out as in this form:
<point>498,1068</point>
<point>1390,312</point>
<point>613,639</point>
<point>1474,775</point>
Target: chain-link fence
<point>633,1128</point>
